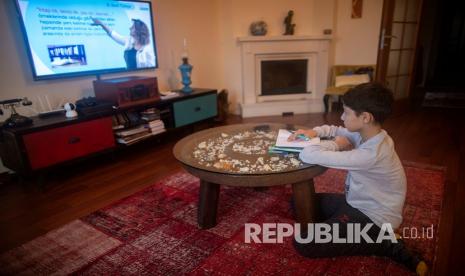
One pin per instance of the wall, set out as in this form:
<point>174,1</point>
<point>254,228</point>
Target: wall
<point>356,40</point>
<point>196,21</point>
<point>310,17</point>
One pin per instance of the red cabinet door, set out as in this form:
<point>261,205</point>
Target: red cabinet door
<point>48,147</point>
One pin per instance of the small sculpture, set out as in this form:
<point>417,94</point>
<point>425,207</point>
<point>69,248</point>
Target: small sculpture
<point>288,22</point>
<point>186,70</point>
<point>258,28</point>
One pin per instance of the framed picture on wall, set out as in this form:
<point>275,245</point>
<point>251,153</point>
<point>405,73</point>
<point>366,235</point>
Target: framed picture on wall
<point>357,7</point>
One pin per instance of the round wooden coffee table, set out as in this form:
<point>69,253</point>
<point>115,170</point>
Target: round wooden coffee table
<point>237,155</point>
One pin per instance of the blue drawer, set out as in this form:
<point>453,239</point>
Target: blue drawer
<point>193,110</point>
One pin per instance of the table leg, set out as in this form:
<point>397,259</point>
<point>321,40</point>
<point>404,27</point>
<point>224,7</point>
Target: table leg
<point>306,208</point>
<point>208,204</point>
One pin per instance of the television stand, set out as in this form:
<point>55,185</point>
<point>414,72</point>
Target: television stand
<point>56,140</point>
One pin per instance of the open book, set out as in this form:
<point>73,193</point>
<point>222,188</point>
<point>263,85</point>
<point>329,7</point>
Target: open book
<point>283,134</point>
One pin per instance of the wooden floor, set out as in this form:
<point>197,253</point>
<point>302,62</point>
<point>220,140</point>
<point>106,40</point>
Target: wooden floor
<point>434,137</point>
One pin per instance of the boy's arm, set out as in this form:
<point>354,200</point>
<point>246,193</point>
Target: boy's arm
<point>333,131</point>
<point>326,154</point>
<point>326,130</point>
<point>321,131</point>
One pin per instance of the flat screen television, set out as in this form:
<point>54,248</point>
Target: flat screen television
<point>66,38</point>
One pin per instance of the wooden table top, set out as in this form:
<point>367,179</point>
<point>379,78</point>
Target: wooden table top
<point>224,154</point>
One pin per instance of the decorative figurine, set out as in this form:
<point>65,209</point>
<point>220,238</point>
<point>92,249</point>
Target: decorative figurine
<point>288,22</point>
<point>258,28</point>
<point>186,70</point>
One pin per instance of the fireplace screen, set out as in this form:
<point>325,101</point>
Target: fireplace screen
<point>280,77</point>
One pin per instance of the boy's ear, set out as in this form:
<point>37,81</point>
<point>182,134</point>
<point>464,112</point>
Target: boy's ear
<point>367,117</point>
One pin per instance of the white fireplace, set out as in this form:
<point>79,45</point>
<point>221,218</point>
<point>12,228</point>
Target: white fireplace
<point>301,96</point>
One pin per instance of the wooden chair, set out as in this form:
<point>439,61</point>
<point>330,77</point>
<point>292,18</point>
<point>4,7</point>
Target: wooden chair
<point>339,70</point>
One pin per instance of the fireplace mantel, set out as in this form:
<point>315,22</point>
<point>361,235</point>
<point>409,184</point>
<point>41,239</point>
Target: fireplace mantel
<point>255,49</point>
<point>283,38</point>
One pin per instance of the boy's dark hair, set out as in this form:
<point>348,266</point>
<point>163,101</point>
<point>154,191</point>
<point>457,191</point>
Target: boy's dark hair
<point>373,97</point>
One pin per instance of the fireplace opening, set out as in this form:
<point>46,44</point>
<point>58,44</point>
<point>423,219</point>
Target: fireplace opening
<point>280,77</point>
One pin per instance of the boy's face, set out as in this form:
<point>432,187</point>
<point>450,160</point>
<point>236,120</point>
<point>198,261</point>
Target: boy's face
<point>351,121</point>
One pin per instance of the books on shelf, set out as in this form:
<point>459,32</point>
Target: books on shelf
<point>151,110</point>
<point>125,120</point>
<point>127,132</point>
<point>131,131</point>
<point>128,140</point>
<point>156,126</point>
<point>154,132</point>
<point>133,135</point>
<point>149,118</point>
<point>150,114</point>
<point>155,123</point>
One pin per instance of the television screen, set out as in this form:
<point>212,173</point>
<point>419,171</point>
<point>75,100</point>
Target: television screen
<point>84,37</point>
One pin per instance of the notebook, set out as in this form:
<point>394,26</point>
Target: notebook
<point>283,134</point>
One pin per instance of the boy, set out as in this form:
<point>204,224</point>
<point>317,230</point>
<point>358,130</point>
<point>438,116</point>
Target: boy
<point>375,186</point>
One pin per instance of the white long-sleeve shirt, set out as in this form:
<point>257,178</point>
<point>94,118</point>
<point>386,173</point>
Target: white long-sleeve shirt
<point>375,183</point>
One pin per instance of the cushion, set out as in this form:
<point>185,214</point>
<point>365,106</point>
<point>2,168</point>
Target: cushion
<point>355,79</point>
<point>339,91</point>
<point>366,70</point>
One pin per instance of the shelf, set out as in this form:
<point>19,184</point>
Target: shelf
<point>283,38</point>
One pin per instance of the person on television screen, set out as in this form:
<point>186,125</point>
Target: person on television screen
<point>137,50</point>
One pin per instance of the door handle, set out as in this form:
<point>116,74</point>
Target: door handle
<point>383,37</point>
<point>74,140</point>
<point>197,109</point>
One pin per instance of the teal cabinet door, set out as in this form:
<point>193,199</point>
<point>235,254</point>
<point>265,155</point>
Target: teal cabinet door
<point>193,110</point>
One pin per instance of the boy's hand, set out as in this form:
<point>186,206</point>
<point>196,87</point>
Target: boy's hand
<point>343,143</point>
<point>310,133</point>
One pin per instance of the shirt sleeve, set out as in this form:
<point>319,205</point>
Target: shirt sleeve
<point>332,131</point>
<point>324,154</point>
<point>119,38</point>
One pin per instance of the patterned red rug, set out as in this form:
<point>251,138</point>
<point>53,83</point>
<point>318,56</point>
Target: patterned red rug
<point>154,232</point>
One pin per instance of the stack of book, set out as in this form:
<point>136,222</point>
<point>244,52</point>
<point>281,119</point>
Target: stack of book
<point>155,126</point>
<point>152,121</point>
<point>131,126</point>
<point>150,114</point>
<point>125,120</point>
<point>132,135</point>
